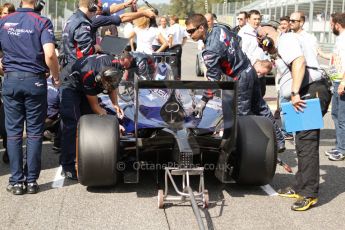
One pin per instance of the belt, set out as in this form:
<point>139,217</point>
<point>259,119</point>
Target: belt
<point>24,74</point>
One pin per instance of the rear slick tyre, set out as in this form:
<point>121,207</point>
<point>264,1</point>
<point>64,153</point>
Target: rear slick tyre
<point>97,150</point>
<point>256,151</point>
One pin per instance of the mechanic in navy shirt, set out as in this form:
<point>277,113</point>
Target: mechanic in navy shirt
<point>79,34</point>
<point>88,77</point>
<point>223,56</point>
<point>141,64</point>
<point>28,44</point>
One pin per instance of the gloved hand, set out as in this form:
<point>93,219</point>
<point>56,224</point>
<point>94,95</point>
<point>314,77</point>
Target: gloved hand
<point>199,109</point>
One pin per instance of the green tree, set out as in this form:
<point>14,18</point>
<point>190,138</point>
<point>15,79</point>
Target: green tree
<point>183,8</point>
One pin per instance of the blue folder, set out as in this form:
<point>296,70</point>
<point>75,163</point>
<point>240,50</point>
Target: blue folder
<point>310,118</point>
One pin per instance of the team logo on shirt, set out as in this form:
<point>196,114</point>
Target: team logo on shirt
<point>224,38</point>
<point>8,25</point>
<point>38,84</point>
<point>11,30</point>
<point>50,31</point>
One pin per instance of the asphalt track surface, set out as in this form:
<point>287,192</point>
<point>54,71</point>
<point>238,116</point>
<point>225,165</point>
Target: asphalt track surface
<point>63,204</point>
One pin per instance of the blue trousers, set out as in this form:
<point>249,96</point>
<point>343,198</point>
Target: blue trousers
<point>338,116</point>
<point>73,104</point>
<point>25,100</point>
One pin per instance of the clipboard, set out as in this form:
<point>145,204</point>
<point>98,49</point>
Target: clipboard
<point>310,118</point>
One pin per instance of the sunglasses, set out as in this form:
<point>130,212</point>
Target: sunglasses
<point>293,21</point>
<point>191,31</point>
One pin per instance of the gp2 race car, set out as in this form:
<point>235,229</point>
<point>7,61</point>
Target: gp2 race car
<point>159,121</point>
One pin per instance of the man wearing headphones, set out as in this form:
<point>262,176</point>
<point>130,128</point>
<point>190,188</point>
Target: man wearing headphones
<point>25,89</point>
<point>79,34</point>
<point>88,77</point>
<point>294,62</point>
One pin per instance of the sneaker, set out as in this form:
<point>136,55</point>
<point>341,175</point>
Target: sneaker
<point>336,156</point>
<point>17,189</point>
<point>288,192</point>
<point>332,151</point>
<point>304,203</point>
<point>32,188</point>
<point>69,175</point>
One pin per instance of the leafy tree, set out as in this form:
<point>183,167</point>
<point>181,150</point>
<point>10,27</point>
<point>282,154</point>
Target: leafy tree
<point>183,8</point>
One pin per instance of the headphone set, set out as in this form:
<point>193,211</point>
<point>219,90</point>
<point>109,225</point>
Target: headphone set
<point>92,7</point>
<point>38,7</point>
<point>266,42</point>
<point>112,76</point>
<point>39,4</point>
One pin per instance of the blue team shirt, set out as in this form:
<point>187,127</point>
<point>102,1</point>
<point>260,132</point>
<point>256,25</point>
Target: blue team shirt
<point>22,36</point>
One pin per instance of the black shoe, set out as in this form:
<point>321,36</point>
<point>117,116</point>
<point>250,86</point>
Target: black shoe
<point>5,158</point>
<point>32,188</point>
<point>17,189</point>
<point>304,203</point>
<point>72,175</point>
<point>288,192</point>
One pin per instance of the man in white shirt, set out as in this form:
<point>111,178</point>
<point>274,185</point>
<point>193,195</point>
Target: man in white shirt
<point>177,38</point>
<point>248,34</point>
<point>304,85</point>
<point>164,30</point>
<point>297,20</point>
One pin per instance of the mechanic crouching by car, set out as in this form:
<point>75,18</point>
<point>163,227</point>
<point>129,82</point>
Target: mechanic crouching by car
<point>223,56</point>
<point>23,35</point>
<point>87,77</point>
<point>142,64</point>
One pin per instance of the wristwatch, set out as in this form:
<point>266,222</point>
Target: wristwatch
<point>294,93</point>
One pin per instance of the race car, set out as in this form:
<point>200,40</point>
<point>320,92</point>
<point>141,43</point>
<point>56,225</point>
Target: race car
<point>159,118</point>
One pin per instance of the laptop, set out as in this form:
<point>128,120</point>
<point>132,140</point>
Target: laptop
<point>113,45</point>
